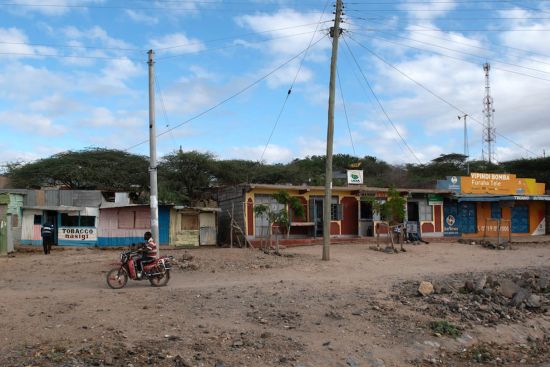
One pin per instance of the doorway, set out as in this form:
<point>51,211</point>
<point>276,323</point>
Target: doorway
<point>50,216</point>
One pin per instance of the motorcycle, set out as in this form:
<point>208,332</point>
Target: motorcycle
<point>157,272</point>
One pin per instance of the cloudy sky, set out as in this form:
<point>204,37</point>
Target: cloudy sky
<point>73,74</point>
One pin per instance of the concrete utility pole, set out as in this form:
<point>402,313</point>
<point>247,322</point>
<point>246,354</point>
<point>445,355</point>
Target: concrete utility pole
<point>335,33</point>
<point>153,154</point>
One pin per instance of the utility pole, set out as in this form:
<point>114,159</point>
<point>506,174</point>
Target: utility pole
<point>466,147</point>
<point>335,33</point>
<point>153,153</point>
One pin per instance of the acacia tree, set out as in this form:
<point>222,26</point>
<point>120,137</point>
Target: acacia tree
<point>280,217</point>
<point>91,169</point>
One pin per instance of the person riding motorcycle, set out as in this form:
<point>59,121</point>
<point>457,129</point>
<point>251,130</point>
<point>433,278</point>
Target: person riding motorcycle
<point>148,252</point>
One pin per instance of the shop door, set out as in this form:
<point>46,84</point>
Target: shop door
<point>412,211</point>
<point>468,218</point>
<point>50,217</point>
<point>316,215</point>
<point>520,219</point>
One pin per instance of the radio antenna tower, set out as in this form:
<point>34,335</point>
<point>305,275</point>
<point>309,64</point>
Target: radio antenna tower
<point>489,131</point>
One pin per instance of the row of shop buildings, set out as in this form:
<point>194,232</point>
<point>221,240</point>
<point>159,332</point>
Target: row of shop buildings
<point>86,218</point>
<point>479,205</point>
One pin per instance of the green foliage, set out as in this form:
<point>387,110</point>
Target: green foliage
<point>445,328</point>
<point>184,176</point>
<point>281,217</point>
<point>93,168</point>
<point>392,210</point>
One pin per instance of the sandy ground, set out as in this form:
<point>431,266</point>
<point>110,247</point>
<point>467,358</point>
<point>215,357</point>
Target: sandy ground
<point>242,307</point>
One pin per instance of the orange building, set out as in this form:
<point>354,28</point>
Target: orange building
<point>491,205</point>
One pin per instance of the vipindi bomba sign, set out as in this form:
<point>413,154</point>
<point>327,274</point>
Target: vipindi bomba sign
<point>355,176</point>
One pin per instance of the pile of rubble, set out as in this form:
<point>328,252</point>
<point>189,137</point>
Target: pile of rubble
<point>185,262</point>
<point>481,298</point>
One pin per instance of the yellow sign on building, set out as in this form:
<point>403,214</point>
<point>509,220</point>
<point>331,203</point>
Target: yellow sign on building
<point>500,184</point>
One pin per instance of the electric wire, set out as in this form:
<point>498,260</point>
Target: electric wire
<point>163,108</point>
<point>492,61</point>
<point>345,109</point>
<point>293,82</point>
<point>436,95</point>
<point>460,59</point>
<point>492,43</point>
<point>380,103</point>
<point>238,36</point>
<point>241,91</point>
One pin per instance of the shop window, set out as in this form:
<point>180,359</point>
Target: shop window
<point>426,212</point>
<point>189,222</point>
<point>69,220</point>
<point>336,212</point>
<point>126,219</point>
<point>366,210</point>
<point>87,221</point>
<point>37,219</point>
<point>143,219</point>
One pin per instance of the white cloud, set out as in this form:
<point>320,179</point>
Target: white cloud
<point>176,43</point>
<point>289,31</point>
<point>273,153</point>
<point>104,117</point>
<point>34,123</point>
<point>51,7</point>
<point>15,45</point>
<point>141,17</point>
<point>428,9</point>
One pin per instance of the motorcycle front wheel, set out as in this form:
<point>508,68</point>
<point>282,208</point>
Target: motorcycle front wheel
<point>160,280</point>
<point>117,278</point>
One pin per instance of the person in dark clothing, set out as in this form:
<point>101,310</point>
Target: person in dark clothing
<point>47,233</point>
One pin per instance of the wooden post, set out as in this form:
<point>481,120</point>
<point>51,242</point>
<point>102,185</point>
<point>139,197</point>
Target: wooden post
<point>231,225</point>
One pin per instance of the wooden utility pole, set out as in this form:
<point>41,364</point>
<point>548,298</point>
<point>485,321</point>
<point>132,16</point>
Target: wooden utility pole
<point>335,33</point>
<point>153,154</point>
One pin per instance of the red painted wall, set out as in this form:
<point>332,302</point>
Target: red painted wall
<point>350,222</point>
<point>250,217</point>
<point>437,218</point>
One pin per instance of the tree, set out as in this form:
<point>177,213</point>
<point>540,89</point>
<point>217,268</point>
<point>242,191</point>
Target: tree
<point>280,217</point>
<point>392,210</point>
<point>185,176</point>
<point>91,169</point>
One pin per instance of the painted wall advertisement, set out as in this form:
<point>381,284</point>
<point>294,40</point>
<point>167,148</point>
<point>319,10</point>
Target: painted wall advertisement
<point>450,227</point>
<point>492,183</point>
<point>355,176</point>
<point>77,234</point>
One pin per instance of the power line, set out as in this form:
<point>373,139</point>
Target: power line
<point>345,109</point>
<point>293,82</point>
<point>470,54</point>
<point>492,43</point>
<point>380,103</point>
<point>249,86</point>
<point>434,94</point>
<point>460,59</point>
<point>163,108</point>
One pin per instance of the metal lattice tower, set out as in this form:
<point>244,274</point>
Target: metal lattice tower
<point>489,131</point>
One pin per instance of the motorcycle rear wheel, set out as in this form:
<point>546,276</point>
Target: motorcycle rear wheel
<point>160,280</point>
<point>117,278</point>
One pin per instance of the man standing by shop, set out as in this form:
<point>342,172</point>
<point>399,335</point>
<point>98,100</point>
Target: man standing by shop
<point>47,237</point>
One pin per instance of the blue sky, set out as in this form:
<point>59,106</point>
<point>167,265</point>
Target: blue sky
<point>73,74</point>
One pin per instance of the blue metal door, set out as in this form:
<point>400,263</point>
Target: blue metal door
<point>451,219</point>
<point>164,225</point>
<point>520,219</point>
<point>468,217</point>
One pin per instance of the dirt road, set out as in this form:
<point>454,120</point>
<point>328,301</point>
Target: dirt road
<point>244,308</point>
